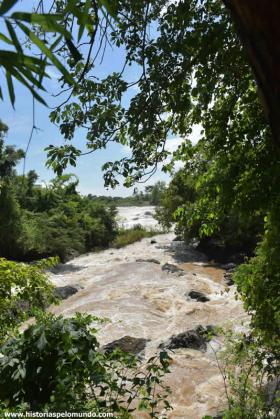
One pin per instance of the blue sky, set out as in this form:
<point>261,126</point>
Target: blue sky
<point>88,167</point>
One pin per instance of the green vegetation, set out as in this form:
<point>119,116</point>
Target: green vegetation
<point>151,196</point>
<point>54,220</point>
<point>48,31</point>
<point>249,379</point>
<point>24,289</point>
<point>193,71</point>
<point>56,364</point>
<point>66,370</point>
<point>131,235</point>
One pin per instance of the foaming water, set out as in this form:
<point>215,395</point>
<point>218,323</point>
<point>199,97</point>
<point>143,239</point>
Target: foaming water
<point>143,301</point>
<point>131,216</point>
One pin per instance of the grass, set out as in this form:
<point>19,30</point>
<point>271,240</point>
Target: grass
<point>134,234</point>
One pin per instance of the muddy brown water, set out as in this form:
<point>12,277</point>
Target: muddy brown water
<point>143,301</point>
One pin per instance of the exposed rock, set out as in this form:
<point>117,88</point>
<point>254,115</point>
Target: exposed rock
<point>228,278</point>
<point>153,241</point>
<point>198,296</point>
<point>66,267</point>
<point>151,260</point>
<point>71,254</point>
<point>65,292</point>
<point>135,219</point>
<point>126,344</point>
<point>177,239</point>
<point>168,267</point>
<point>192,339</point>
<point>228,266</point>
<point>148,213</point>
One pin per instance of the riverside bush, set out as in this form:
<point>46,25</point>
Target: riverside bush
<point>251,378</point>
<point>131,235</point>
<point>57,365</point>
<point>23,290</point>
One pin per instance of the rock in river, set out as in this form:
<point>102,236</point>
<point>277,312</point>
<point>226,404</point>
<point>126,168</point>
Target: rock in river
<point>150,260</point>
<point>66,291</point>
<point>198,296</point>
<point>192,339</point>
<point>126,344</point>
<point>168,267</point>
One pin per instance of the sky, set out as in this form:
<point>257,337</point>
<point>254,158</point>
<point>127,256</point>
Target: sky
<point>88,170</point>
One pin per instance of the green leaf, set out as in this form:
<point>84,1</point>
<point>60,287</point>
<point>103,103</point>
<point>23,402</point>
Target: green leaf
<point>42,342</point>
<point>5,39</point>
<point>6,5</point>
<point>81,31</point>
<point>56,42</point>
<point>38,83</point>
<point>17,59</point>
<point>84,19</point>
<point>13,35</point>
<point>111,6</point>
<point>73,50</point>
<point>45,50</point>
<point>48,22</point>
<point>10,87</point>
<point>22,80</point>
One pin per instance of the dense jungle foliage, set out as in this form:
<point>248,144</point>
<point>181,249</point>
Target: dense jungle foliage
<point>191,70</point>
<point>53,220</point>
<point>66,370</point>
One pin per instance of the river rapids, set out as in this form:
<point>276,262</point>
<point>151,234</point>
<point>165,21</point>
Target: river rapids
<point>144,301</point>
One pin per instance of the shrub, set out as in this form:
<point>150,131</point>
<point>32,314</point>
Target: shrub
<point>23,289</point>
<point>258,283</point>
<point>131,235</point>
<point>56,364</point>
<point>251,377</point>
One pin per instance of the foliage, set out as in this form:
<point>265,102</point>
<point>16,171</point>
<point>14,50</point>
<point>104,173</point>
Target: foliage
<point>251,378</point>
<point>56,364</point>
<point>10,225</point>
<point>48,36</point>
<point>38,221</point>
<point>180,192</point>
<point>192,70</point>
<point>75,225</point>
<point>23,290</point>
<point>150,196</point>
<point>258,284</point>
<point>189,39</point>
<point>131,235</point>
<point>155,192</point>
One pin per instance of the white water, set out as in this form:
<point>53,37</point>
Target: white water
<point>131,216</point>
<point>143,301</point>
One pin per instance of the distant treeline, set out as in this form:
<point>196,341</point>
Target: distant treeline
<point>151,196</point>
<point>38,221</point>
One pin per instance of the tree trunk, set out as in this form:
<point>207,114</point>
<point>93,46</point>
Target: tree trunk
<point>258,25</point>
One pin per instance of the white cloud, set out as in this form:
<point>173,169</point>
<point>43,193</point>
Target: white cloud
<point>195,135</point>
<point>172,144</point>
